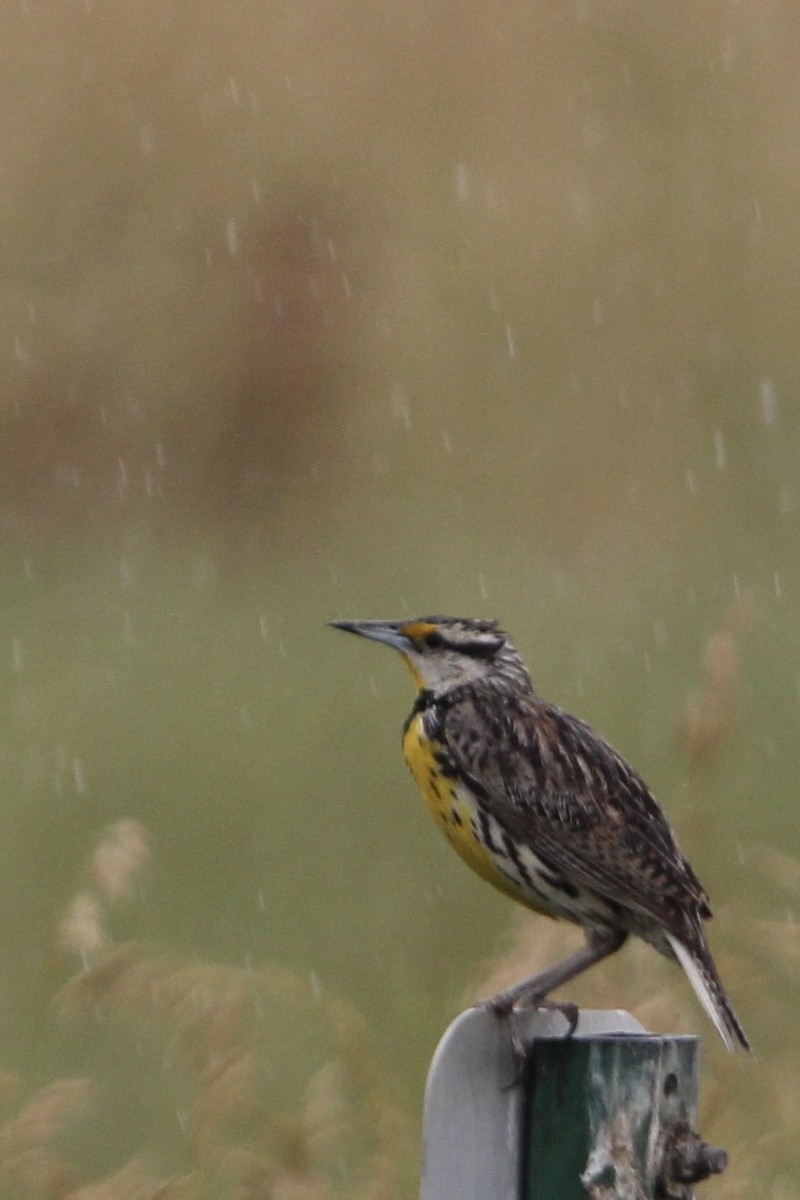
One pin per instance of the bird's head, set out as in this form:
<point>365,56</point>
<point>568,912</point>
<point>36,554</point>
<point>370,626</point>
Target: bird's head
<point>444,652</point>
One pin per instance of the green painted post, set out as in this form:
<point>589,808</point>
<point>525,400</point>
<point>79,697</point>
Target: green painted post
<point>603,1112</point>
<point>607,1114</point>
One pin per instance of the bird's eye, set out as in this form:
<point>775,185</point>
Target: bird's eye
<point>434,640</point>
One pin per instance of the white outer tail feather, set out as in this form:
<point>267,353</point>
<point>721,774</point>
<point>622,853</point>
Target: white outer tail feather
<point>703,986</point>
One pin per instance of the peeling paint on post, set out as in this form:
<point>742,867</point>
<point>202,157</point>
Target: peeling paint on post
<point>600,1114</point>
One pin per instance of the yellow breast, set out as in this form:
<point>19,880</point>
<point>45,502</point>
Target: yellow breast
<point>454,809</point>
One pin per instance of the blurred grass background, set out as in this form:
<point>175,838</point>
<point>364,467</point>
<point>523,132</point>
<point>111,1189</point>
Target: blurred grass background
<point>312,311</point>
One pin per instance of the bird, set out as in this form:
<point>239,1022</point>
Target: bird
<point>541,806</point>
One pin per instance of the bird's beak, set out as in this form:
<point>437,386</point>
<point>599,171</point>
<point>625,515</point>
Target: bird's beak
<point>388,632</point>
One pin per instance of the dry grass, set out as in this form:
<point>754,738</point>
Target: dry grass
<point>711,711</point>
<point>221,1050</point>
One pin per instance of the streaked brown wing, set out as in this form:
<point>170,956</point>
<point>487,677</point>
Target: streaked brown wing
<point>555,785</point>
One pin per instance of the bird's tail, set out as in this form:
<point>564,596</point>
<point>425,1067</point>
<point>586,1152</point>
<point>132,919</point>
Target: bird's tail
<point>699,966</point>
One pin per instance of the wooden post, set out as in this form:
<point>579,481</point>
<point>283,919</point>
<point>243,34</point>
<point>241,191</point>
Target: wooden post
<point>608,1113</point>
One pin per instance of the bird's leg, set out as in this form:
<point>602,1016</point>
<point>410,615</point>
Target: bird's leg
<point>599,945</point>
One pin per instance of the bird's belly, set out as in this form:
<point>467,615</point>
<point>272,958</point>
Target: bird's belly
<point>472,832</point>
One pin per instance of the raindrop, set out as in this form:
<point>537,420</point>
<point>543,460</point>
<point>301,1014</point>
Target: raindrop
<point>17,655</point>
<point>232,237</point>
<point>462,182</point>
<point>482,588</point>
<point>511,342</point>
<point>21,351</point>
<point>126,572</point>
<point>691,480</point>
<point>447,442</point>
<point>78,776</point>
<point>769,402</point>
<point>720,452</point>
<point>776,583</point>
<point>400,409</point>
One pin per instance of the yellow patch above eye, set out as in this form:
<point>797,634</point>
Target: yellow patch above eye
<point>417,630</point>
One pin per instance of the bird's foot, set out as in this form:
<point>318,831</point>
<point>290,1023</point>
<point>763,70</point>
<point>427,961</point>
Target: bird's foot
<point>513,1001</point>
<point>507,1006</point>
<point>506,1012</point>
<point>568,1010</point>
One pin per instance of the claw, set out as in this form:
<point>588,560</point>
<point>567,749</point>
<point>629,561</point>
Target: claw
<point>507,1013</point>
<point>506,1008</point>
<point>570,1012</point>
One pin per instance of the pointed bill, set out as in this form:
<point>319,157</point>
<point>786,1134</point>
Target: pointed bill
<point>388,632</point>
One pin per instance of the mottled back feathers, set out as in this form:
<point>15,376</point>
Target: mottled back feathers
<point>555,784</point>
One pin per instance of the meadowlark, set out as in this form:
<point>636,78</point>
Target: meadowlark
<point>543,808</point>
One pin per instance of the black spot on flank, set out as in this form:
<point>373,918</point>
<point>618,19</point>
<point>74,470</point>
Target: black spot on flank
<point>456,817</point>
<point>513,855</point>
<point>560,884</point>
<point>486,832</point>
<point>446,765</point>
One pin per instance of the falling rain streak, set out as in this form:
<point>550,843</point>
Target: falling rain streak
<point>720,451</point>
